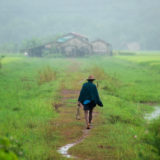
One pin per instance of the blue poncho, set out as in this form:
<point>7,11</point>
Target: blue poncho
<point>89,92</point>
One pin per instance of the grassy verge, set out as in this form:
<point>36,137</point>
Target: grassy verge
<point>27,91</point>
<point>127,90</point>
<point>128,85</point>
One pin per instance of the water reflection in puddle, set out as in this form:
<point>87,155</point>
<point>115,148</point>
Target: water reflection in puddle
<point>155,114</point>
<point>64,150</point>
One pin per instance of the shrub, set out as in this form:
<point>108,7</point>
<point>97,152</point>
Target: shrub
<point>10,149</point>
<point>47,74</point>
<point>155,131</point>
<point>98,73</point>
<point>152,137</point>
<point>106,81</point>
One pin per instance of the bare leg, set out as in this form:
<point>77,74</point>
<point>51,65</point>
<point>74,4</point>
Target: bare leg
<point>78,113</point>
<point>86,117</point>
<point>90,115</point>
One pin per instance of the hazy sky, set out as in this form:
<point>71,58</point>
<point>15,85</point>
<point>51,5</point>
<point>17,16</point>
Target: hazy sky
<point>117,21</point>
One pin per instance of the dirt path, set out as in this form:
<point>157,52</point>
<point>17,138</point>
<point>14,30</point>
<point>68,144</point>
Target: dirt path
<point>73,131</point>
<point>64,149</point>
<point>67,95</point>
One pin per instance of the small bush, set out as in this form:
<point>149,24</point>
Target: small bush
<point>154,129</point>
<point>10,149</point>
<point>98,73</point>
<point>148,152</point>
<point>106,81</point>
<point>152,138</point>
<point>47,74</point>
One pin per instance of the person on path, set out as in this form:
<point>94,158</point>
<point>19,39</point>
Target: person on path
<point>89,98</point>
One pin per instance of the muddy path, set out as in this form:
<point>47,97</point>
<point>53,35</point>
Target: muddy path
<point>74,131</point>
<point>64,149</point>
<point>67,95</point>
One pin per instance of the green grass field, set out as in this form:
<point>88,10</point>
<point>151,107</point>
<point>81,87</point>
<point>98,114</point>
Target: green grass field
<point>129,88</point>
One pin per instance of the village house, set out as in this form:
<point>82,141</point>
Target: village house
<point>39,50</point>
<point>133,46</point>
<point>34,52</point>
<point>101,47</point>
<point>72,45</point>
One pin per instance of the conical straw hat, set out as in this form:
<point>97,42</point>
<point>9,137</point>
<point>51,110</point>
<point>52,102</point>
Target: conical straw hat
<point>91,77</point>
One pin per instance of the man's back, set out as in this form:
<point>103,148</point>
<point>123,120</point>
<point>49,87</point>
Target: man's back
<point>89,92</point>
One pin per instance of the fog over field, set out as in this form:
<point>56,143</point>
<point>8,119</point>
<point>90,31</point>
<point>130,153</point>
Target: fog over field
<point>119,22</point>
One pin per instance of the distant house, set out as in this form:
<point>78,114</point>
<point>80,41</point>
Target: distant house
<point>133,46</point>
<point>39,50</point>
<point>73,44</point>
<point>101,47</point>
<point>35,51</point>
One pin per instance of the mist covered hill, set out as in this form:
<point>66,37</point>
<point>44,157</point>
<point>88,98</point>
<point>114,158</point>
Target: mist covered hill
<point>117,21</point>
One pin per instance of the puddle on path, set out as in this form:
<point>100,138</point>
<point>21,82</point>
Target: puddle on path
<point>155,114</point>
<point>64,150</point>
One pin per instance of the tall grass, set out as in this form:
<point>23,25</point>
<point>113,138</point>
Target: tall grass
<point>127,90</point>
<point>10,148</point>
<point>26,107</point>
<point>46,74</point>
<point>30,93</point>
<point>152,136</point>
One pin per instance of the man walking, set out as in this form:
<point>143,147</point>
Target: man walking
<point>89,98</point>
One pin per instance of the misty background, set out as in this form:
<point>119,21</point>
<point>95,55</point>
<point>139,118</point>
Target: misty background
<point>119,22</point>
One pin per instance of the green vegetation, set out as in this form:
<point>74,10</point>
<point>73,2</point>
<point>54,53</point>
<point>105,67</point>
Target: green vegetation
<point>46,75</point>
<point>127,90</point>
<point>1,57</point>
<point>10,148</point>
<point>32,88</point>
<point>25,106</point>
